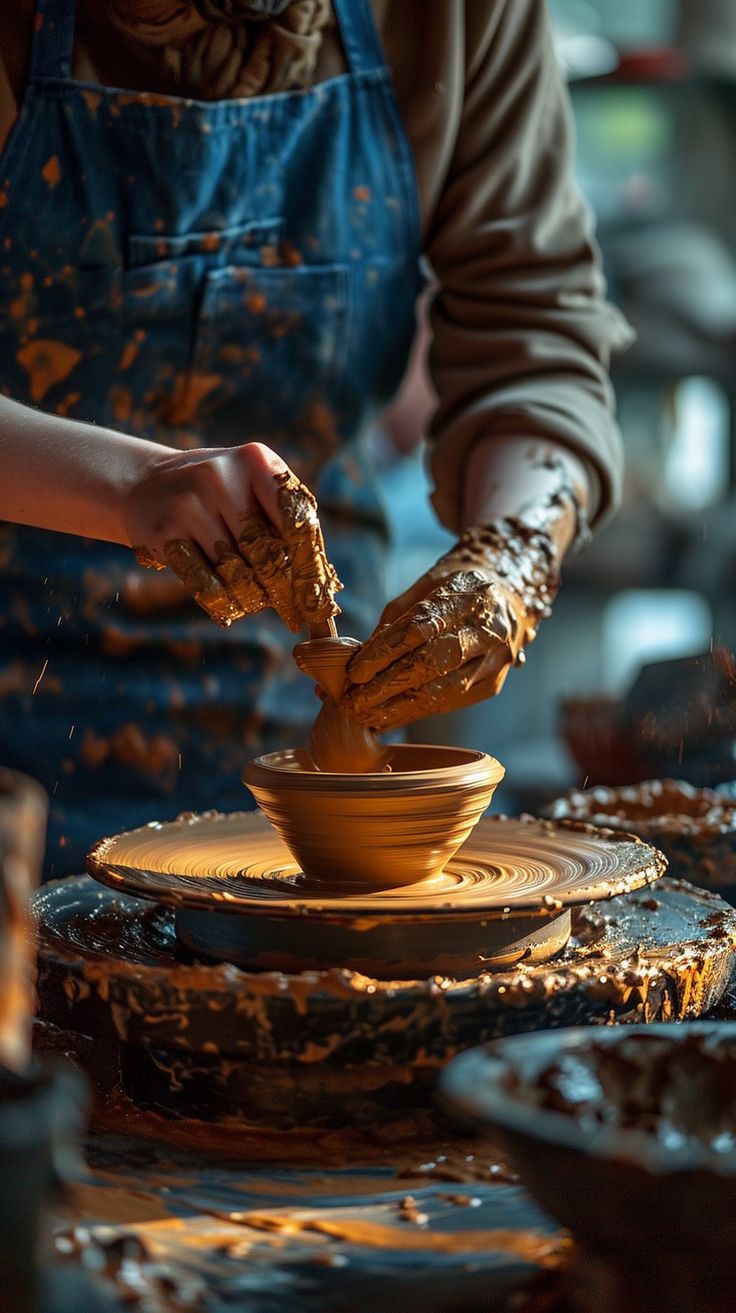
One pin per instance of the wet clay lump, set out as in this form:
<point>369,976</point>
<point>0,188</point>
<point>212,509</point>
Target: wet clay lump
<point>337,742</point>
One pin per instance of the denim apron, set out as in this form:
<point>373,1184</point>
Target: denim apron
<point>199,274</point>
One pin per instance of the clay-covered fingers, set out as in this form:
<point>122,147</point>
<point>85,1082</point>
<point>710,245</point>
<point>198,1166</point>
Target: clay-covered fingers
<point>428,660</point>
<point>471,683</point>
<point>435,659</point>
<point>224,599</point>
<point>227,590</point>
<point>264,550</point>
<point>459,603</point>
<point>196,572</point>
<point>451,640</point>
<point>239,580</point>
<point>314,580</point>
<point>239,530</point>
<point>147,559</point>
<point>289,562</point>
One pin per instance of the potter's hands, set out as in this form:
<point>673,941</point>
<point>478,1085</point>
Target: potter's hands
<point>239,530</point>
<point>451,640</point>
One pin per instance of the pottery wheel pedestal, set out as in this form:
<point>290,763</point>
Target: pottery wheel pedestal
<point>505,897</point>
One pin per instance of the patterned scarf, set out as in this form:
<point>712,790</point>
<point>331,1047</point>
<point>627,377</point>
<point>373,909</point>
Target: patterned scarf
<point>232,10</point>
<point>227,49</point>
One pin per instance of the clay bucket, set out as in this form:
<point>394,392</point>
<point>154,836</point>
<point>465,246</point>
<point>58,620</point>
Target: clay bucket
<point>375,831</point>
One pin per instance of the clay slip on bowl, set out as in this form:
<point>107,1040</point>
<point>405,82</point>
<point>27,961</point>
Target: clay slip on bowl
<point>626,1136</point>
<point>380,830</point>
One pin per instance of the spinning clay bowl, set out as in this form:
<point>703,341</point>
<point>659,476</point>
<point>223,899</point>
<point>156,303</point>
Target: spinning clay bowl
<point>627,1137</point>
<point>383,830</point>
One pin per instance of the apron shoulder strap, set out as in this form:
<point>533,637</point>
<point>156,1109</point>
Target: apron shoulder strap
<point>360,39</point>
<point>52,42</point>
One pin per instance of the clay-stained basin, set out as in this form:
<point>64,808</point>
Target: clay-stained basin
<point>625,1135</point>
<point>377,831</point>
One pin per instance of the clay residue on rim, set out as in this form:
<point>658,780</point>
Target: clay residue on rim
<point>680,1092</point>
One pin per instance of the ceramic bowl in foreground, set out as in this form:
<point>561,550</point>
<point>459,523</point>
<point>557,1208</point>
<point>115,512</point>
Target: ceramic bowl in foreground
<point>380,830</point>
<point>626,1135</point>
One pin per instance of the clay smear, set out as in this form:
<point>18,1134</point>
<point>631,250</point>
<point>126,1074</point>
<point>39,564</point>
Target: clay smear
<point>545,1251</point>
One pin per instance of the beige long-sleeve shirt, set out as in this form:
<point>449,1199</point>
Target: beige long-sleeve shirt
<point>521,329</point>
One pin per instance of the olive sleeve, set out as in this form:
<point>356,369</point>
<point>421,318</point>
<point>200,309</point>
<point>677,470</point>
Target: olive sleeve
<point>522,332</point>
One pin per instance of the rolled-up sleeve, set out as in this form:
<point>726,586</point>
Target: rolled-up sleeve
<point>522,332</point>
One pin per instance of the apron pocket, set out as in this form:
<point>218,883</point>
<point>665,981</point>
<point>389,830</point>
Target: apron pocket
<point>270,342</point>
<point>164,289</point>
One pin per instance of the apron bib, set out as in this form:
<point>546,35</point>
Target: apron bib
<point>199,274</point>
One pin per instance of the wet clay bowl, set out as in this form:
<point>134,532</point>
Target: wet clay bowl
<point>694,828</point>
<point>379,831</point>
<point>626,1136</point>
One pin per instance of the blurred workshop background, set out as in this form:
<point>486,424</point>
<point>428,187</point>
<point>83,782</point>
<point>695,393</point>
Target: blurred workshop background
<point>653,84</point>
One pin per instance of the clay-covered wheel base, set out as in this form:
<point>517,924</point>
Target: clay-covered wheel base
<point>334,1048</point>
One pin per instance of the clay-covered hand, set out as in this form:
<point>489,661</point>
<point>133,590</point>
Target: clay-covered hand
<point>452,639</point>
<point>239,530</point>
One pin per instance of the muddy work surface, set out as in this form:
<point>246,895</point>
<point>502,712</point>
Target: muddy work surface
<point>185,1234</point>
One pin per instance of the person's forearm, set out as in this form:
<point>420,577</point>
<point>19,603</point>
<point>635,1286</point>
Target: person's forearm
<point>541,483</point>
<point>235,524</point>
<point>61,474</point>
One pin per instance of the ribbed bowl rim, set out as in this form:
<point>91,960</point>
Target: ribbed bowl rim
<point>469,767</point>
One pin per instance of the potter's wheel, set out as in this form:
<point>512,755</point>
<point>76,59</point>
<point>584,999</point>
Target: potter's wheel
<point>259,1062</point>
<point>239,896</point>
<point>210,1049</point>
